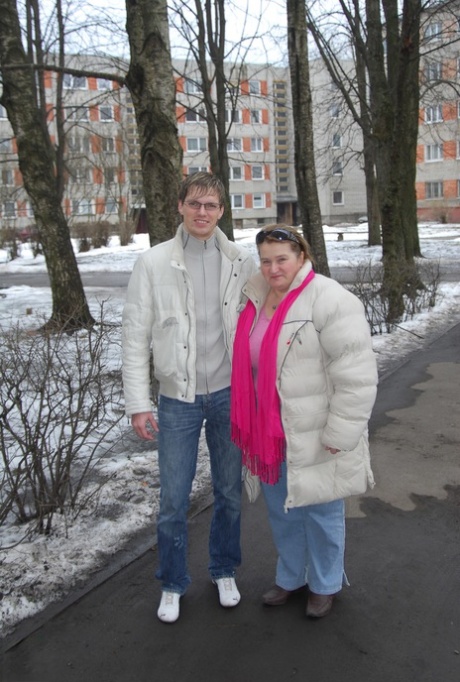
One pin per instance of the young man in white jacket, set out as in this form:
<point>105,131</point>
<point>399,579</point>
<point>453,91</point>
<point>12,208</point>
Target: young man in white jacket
<point>182,305</point>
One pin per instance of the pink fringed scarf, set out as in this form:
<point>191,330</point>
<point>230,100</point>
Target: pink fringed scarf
<point>256,421</point>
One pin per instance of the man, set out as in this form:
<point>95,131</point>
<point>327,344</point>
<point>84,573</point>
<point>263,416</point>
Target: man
<point>182,302</point>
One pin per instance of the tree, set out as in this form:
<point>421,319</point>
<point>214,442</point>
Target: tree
<point>203,25</point>
<point>151,84</point>
<point>387,56</point>
<point>27,113</point>
<point>305,172</point>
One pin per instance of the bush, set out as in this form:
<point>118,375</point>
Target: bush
<point>60,400</point>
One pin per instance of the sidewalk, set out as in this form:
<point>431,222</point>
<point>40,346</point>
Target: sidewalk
<point>398,622</point>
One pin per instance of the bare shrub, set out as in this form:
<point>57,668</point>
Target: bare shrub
<point>100,234</point>
<point>421,292</point>
<point>60,401</point>
<point>9,241</point>
<point>126,232</point>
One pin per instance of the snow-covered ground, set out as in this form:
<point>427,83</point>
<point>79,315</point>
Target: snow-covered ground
<point>37,571</point>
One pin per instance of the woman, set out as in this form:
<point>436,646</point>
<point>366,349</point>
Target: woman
<point>304,382</point>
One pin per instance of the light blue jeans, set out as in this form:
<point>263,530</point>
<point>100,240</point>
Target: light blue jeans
<point>310,541</point>
<point>180,426</point>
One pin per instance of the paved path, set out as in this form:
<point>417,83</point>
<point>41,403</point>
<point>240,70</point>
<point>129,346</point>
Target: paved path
<point>398,622</point>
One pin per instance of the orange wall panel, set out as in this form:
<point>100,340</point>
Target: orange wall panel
<point>450,149</point>
<point>449,111</point>
<point>246,116</point>
<point>420,153</point>
<point>246,144</point>
<point>450,189</point>
<point>247,172</point>
<point>92,83</point>
<point>266,144</point>
<point>248,201</point>
<point>420,190</point>
<point>268,200</point>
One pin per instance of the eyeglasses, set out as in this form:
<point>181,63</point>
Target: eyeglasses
<point>280,234</point>
<point>196,206</point>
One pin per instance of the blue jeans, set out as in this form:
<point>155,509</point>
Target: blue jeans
<point>180,426</point>
<point>310,541</point>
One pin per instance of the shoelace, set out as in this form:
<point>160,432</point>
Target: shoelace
<point>169,600</point>
<point>228,587</point>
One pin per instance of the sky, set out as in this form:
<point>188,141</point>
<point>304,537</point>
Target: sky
<point>40,570</point>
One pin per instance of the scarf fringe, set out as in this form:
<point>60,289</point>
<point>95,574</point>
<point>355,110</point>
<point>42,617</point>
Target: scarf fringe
<point>268,473</point>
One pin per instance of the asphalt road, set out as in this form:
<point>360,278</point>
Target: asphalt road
<point>345,275</point>
<point>399,621</point>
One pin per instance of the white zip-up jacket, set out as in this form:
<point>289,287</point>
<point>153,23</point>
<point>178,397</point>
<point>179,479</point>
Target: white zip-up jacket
<point>159,318</point>
<point>327,383</point>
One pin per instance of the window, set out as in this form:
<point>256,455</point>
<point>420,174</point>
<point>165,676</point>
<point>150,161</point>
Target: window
<point>256,116</point>
<point>257,172</point>
<point>336,141</point>
<point>234,144</point>
<point>334,110</point>
<point>196,144</point>
<point>434,190</point>
<point>194,115</point>
<point>80,175</point>
<point>106,112</point>
<point>110,175</point>
<point>107,144</point>
<point>236,173</point>
<point>236,200</point>
<point>82,207</point>
<point>74,82</point>
<point>433,71</point>
<point>3,115</point>
<point>79,114</point>
<point>257,144</point>
<point>258,200</point>
<point>197,169</point>
<point>232,116</point>
<point>193,87</point>
<point>5,145</point>
<point>254,87</point>
<point>111,206</point>
<point>104,84</point>
<point>433,31</point>
<point>433,114</point>
<point>78,144</point>
<point>337,168</point>
<point>337,198</point>
<point>9,209</point>
<point>7,177</point>
<point>433,152</point>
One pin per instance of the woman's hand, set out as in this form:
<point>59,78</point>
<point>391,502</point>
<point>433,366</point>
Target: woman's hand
<point>333,451</point>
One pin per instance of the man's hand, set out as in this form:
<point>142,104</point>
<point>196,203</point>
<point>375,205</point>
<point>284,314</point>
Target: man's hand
<point>143,423</point>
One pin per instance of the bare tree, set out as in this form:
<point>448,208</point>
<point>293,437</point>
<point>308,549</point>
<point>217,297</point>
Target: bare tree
<point>305,171</point>
<point>203,24</point>
<point>151,83</point>
<point>37,161</point>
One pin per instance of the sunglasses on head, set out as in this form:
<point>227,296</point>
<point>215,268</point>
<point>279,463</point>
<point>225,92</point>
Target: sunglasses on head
<point>279,234</point>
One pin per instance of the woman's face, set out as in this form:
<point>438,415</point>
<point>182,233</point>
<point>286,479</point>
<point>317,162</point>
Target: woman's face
<point>279,264</point>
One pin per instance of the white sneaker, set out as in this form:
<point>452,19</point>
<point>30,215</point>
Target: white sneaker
<point>168,611</point>
<point>228,592</point>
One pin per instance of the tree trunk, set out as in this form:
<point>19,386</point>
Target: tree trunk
<point>211,32</point>
<point>305,171</point>
<point>151,83</point>
<point>37,165</point>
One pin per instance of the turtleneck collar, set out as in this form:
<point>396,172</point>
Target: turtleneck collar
<point>193,245</point>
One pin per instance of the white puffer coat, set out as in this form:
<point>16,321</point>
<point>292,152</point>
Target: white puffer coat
<point>159,318</point>
<point>327,382</point>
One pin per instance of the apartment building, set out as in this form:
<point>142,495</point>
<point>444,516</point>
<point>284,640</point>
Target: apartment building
<point>438,150</point>
<point>95,151</point>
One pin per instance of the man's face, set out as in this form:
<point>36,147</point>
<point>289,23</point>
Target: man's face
<point>200,213</point>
